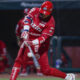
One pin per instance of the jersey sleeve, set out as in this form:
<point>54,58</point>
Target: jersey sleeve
<point>29,18</point>
<point>49,31</point>
<point>32,12</point>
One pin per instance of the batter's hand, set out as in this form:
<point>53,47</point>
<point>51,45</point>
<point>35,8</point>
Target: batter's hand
<point>25,35</point>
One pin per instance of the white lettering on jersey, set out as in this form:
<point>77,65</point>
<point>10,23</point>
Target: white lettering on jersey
<point>43,25</point>
<point>36,27</point>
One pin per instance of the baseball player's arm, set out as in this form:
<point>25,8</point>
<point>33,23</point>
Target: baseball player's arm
<point>49,31</point>
<point>27,21</point>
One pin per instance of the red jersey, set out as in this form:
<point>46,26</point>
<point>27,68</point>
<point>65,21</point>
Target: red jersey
<point>19,27</point>
<point>2,48</point>
<point>39,31</point>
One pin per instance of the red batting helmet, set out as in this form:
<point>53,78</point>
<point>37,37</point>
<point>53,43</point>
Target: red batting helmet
<point>26,10</point>
<point>46,8</point>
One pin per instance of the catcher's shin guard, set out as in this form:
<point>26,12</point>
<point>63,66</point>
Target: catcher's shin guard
<point>14,73</point>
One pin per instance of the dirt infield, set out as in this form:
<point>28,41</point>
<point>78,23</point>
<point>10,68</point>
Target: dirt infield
<point>29,76</point>
<point>32,76</point>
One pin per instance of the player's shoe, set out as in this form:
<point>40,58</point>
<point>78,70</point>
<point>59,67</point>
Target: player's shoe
<point>23,74</point>
<point>70,77</point>
<point>39,74</point>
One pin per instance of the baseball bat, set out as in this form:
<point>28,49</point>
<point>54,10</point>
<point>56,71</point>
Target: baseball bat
<point>36,63</point>
<point>20,49</point>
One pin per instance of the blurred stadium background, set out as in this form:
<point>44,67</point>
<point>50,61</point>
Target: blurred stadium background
<point>64,52</point>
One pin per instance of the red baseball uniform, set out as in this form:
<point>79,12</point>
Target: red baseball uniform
<point>39,33</point>
<point>19,30</point>
<point>2,48</point>
<point>19,27</point>
<point>3,58</point>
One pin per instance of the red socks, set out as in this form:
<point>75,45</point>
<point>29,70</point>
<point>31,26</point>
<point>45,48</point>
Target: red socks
<point>14,73</point>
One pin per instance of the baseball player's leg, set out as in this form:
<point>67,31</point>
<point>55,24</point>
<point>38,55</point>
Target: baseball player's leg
<point>39,72</point>
<point>15,70</point>
<point>47,70</point>
<point>25,65</point>
<point>2,66</point>
<point>17,66</point>
<point>26,62</point>
<point>24,70</point>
